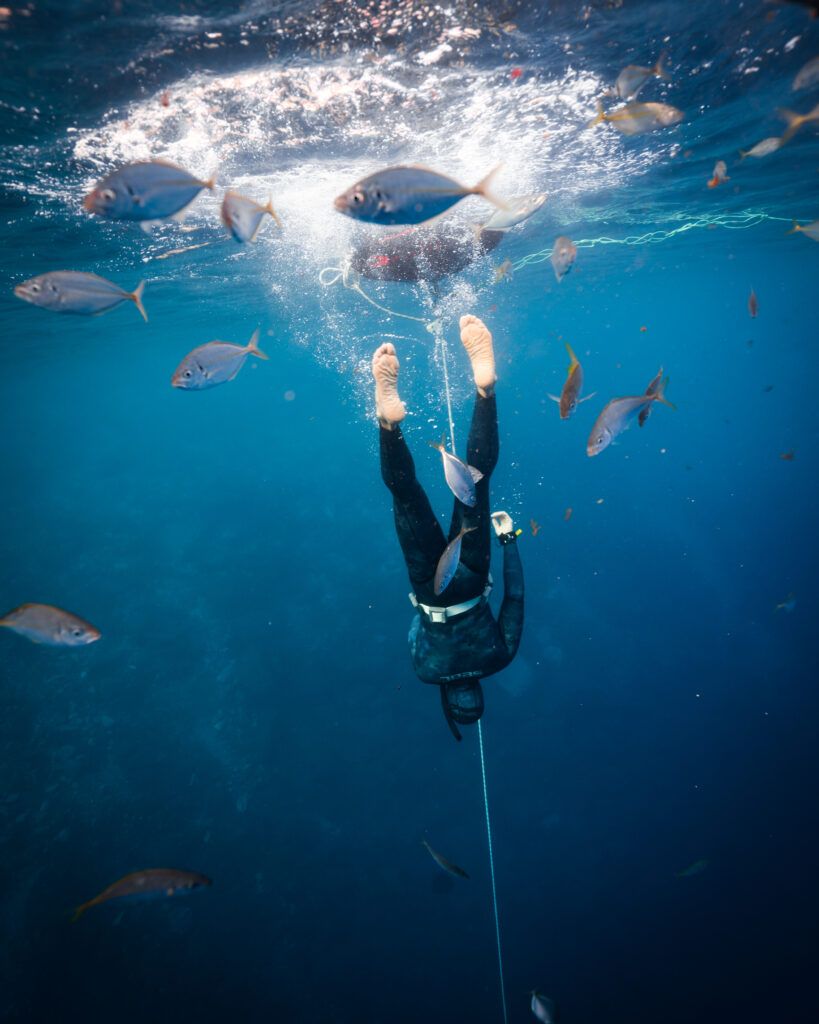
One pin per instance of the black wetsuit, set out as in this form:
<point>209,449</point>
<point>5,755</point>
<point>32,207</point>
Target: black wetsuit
<point>422,254</point>
<point>472,645</point>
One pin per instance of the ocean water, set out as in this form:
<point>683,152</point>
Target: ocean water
<point>251,711</point>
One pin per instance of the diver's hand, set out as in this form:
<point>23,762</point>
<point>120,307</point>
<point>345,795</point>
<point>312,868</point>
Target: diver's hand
<point>502,523</point>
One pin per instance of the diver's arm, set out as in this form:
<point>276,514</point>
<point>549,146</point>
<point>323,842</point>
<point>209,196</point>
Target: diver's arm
<point>510,619</point>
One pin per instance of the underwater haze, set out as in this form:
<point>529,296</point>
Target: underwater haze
<point>250,711</point>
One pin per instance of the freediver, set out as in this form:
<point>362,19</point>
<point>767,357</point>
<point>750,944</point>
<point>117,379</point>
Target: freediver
<point>455,640</point>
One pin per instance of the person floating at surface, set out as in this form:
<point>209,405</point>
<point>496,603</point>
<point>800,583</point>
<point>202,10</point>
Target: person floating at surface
<point>454,640</point>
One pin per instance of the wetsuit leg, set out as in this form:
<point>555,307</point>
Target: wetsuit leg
<point>419,532</point>
<point>482,453</point>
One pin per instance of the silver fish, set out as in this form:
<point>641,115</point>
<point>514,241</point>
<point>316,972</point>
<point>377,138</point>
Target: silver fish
<point>243,217</point>
<point>150,882</point>
<point>71,291</point>
<point>807,76</point>
<point>811,230</point>
<point>632,79</point>
<point>564,253</point>
<point>442,862</point>
<point>408,195</point>
<point>149,191</point>
<point>448,562</point>
<point>520,208</point>
<point>764,148</point>
<point>543,1008</point>
<point>650,390</point>
<point>635,118</point>
<point>460,477</point>
<point>214,363</point>
<point>616,416</point>
<point>45,624</point>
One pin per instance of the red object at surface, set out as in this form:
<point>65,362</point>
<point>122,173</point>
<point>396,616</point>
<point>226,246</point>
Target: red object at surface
<point>516,72</point>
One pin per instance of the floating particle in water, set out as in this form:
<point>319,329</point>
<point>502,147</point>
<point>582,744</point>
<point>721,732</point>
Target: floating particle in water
<point>600,501</point>
<point>515,73</point>
<point>289,396</point>
<point>567,515</point>
<point>643,330</point>
<point>753,304</point>
<point>788,456</point>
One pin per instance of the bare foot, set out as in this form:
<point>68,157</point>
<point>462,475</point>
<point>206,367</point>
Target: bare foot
<point>478,344</point>
<point>388,406</point>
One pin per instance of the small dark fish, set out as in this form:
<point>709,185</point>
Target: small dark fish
<point>535,527</point>
<point>570,395</point>
<point>696,868</point>
<point>460,477</point>
<point>567,515</point>
<point>45,624</point>
<point>650,390</point>
<point>616,415</point>
<point>147,192</point>
<point>787,605</point>
<point>150,882</point>
<point>503,271</point>
<point>442,862</point>
<point>215,363</point>
<point>753,304</point>
<point>564,253</point>
<point>768,388</point>
<point>243,217</point>
<point>408,195</point>
<point>788,456</point>
<point>810,230</point>
<point>448,562</point>
<point>543,1008</point>
<point>72,291</point>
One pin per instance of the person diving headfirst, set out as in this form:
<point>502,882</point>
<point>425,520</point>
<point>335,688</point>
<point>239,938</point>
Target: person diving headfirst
<point>455,640</point>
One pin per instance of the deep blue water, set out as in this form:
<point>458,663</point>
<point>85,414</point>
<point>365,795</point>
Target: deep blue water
<point>251,710</point>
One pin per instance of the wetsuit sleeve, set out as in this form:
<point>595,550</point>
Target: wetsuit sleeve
<point>510,619</point>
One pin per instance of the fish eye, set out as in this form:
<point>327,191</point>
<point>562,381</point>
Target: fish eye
<point>108,194</point>
<point>358,196</point>
<point>35,287</point>
<point>76,631</point>
<point>188,373</point>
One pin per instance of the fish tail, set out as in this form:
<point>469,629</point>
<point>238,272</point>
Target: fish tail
<point>574,360</point>
<point>661,68</point>
<point>78,912</point>
<point>742,153</point>
<point>253,346</point>
<point>794,121</point>
<point>482,189</point>
<point>136,297</point>
<point>273,214</point>
<point>210,183</point>
<point>660,395</point>
<point>796,227</point>
<point>601,116</point>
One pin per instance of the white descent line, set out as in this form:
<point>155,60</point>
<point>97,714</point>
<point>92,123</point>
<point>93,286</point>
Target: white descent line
<point>492,872</point>
<point>441,339</point>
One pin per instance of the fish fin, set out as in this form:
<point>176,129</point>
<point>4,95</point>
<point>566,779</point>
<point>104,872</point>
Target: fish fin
<point>273,214</point>
<point>659,395</point>
<point>586,397</point>
<point>210,183</point>
<point>574,360</point>
<point>554,398</point>
<point>794,122</point>
<point>253,346</point>
<point>476,474</point>
<point>482,189</point>
<point>796,227</point>
<point>136,297</point>
<point>742,153</point>
<point>78,912</point>
<point>660,68</point>
<point>600,116</point>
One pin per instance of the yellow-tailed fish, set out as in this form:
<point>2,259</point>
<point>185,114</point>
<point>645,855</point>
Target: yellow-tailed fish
<point>442,862</point>
<point>795,121</point>
<point>520,208</point>
<point>807,76</point>
<point>543,1008</point>
<point>72,291</point>
<point>617,415</point>
<point>243,217</point>
<point>503,271</point>
<point>811,230</point>
<point>45,624</point>
<point>564,253</point>
<point>460,477</point>
<point>152,882</point>
<point>448,562</point>
<point>635,118</point>
<point>147,192</point>
<point>632,79</point>
<point>650,390</point>
<point>215,363</point>
<point>408,195</point>
<point>569,398</point>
